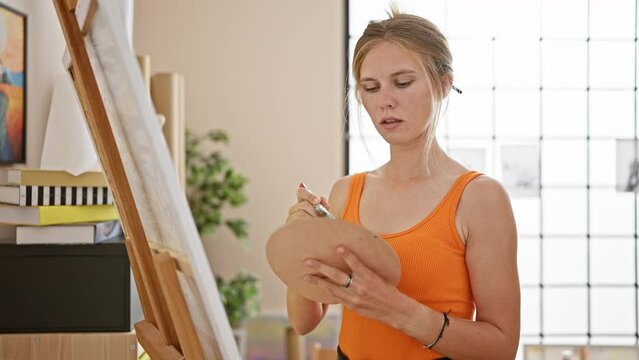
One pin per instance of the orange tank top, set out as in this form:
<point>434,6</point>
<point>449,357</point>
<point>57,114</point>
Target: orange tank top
<point>434,273</point>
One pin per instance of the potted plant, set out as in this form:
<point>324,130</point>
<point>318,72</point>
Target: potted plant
<point>211,185</point>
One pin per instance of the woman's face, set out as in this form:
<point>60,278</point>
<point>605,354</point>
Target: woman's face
<point>396,93</point>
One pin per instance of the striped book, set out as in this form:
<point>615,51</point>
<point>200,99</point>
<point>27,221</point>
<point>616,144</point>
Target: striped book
<point>29,195</point>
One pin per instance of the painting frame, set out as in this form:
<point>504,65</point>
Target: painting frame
<point>13,85</point>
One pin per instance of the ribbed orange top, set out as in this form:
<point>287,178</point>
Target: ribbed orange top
<point>433,272</point>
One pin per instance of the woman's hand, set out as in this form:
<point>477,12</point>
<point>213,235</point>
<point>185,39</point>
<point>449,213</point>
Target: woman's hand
<point>367,293</point>
<point>304,208</point>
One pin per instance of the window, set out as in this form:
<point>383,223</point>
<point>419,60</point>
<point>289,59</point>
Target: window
<point>549,108</point>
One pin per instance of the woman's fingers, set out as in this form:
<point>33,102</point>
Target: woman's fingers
<point>303,206</point>
<point>336,276</point>
<point>304,195</point>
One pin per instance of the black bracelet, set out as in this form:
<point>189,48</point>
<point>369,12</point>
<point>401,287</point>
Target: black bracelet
<point>445,322</point>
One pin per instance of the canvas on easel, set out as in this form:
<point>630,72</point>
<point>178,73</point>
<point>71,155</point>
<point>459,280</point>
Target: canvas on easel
<point>184,317</point>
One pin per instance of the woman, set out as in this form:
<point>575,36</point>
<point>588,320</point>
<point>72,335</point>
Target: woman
<point>452,229</point>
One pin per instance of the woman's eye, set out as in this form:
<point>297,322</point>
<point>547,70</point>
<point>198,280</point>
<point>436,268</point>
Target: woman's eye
<point>403,84</point>
<point>371,89</point>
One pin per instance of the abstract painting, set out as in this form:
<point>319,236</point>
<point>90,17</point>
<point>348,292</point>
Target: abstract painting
<point>13,37</point>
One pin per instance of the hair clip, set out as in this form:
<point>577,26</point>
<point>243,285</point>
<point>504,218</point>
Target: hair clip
<point>456,89</point>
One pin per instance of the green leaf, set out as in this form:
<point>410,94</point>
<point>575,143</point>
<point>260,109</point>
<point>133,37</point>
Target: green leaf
<point>213,185</point>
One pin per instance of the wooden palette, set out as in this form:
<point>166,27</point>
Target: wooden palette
<point>290,245</point>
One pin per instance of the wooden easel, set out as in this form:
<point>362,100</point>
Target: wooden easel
<point>168,331</point>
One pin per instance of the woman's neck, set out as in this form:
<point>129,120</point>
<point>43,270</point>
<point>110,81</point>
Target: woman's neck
<point>413,163</point>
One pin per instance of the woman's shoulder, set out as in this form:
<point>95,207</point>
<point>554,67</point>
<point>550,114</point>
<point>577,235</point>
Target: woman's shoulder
<point>485,190</point>
<point>340,188</point>
<point>488,197</point>
<point>339,194</point>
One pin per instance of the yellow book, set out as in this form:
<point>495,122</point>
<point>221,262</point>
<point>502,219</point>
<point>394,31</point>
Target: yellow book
<point>15,176</point>
<point>53,215</point>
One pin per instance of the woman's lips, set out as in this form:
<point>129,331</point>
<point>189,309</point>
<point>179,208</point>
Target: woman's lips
<point>390,124</point>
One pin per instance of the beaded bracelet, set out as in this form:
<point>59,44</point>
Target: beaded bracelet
<point>445,322</point>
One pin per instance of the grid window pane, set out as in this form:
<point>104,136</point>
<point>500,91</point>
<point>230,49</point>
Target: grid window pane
<point>530,309</point>
<point>565,312</point>
<point>627,162</point>
<point>472,63</point>
<point>526,211</point>
<point>602,163</point>
<point>612,311</point>
<point>603,221</point>
<point>563,64</point>
<point>471,158</point>
<point>433,10</point>
<point>359,123</point>
<point>364,11</point>
<point>520,169</point>
<point>361,160</point>
<point>612,340</point>
<point>611,114</point>
<point>612,261</point>
<point>528,261</point>
<point>469,18</point>
<point>564,261</point>
<point>563,340</point>
<point>612,19</point>
<point>564,212</point>
<point>517,113</point>
<point>564,113</point>
<point>469,152</point>
<point>517,63</point>
<point>564,19</point>
<point>517,19</point>
<point>563,162</point>
<point>471,114</point>
<point>612,64</point>
<point>352,41</point>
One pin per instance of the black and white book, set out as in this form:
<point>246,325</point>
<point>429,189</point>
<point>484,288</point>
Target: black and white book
<point>87,233</point>
<point>31,195</point>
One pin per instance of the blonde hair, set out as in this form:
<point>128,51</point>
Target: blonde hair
<point>423,38</point>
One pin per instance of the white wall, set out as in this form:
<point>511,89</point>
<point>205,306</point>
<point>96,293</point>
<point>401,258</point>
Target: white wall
<point>44,53</point>
<point>271,74</point>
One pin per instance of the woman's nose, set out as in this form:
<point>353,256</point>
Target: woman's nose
<point>388,100</point>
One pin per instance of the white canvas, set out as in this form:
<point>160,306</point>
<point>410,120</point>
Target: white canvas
<point>162,205</point>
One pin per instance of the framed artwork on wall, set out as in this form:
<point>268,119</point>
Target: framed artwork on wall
<point>627,165</point>
<point>13,60</point>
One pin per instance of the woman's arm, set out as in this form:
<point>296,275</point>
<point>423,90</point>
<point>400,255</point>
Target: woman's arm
<point>491,258</point>
<point>305,314</point>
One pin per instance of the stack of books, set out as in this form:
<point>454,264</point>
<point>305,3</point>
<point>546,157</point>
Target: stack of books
<point>55,207</point>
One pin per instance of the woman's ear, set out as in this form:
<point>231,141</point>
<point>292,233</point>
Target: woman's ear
<point>447,84</point>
